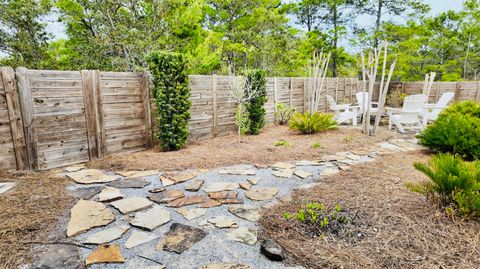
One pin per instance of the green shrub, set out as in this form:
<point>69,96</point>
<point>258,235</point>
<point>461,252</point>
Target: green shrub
<point>453,181</point>
<point>316,145</point>
<point>256,86</point>
<point>241,119</point>
<point>283,114</point>
<point>456,131</point>
<point>171,93</point>
<point>309,124</point>
<point>282,143</point>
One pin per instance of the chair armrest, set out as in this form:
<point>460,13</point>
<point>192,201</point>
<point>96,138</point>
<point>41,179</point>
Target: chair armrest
<point>393,109</point>
<point>343,107</point>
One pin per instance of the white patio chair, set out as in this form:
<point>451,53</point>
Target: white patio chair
<point>431,111</point>
<point>408,116</point>
<point>362,100</point>
<point>343,113</point>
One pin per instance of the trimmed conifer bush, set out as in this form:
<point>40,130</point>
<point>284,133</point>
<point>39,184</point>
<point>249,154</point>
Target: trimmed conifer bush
<point>171,93</point>
<point>255,86</point>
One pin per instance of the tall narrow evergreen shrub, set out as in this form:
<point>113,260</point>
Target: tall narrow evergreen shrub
<point>171,92</point>
<point>256,82</point>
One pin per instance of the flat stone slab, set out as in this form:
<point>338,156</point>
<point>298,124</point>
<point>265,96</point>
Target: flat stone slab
<point>166,181</point>
<point>225,266</point>
<point>247,212</point>
<point>74,168</point>
<point>91,176</point>
<point>180,238</point>
<point>272,250</point>
<point>254,180</point>
<point>329,171</point>
<point>210,203</point>
<point>86,215</point>
<point>246,185</point>
<point>157,190</point>
<point>223,222</point>
<point>105,254</point>
<point>284,173</point>
<point>59,256</point>
<point>309,163</point>
<point>151,218</point>
<point>166,196</point>
<point>244,235</point>
<point>189,200</point>
<point>138,174</point>
<point>180,177</point>
<point>225,197</point>
<point>302,174</point>
<point>132,204</point>
<point>191,213</point>
<point>6,186</point>
<point>86,193</point>
<point>139,237</point>
<point>107,235</point>
<point>195,185</point>
<point>282,166</point>
<point>135,183</point>
<point>109,194</point>
<point>261,194</point>
<point>238,172</point>
<point>220,186</point>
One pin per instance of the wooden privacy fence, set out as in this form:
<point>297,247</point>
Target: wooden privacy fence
<point>55,118</point>
<point>463,90</point>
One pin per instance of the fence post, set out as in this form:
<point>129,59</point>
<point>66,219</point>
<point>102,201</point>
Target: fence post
<point>275,86</point>
<point>15,117</point>
<point>214,105</point>
<point>99,120</point>
<point>477,98</point>
<point>29,124</point>
<point>305,94</point>
<point>457,91</point>
<point>291,91</point>
<point>147,109</point>
<point>90,111</point>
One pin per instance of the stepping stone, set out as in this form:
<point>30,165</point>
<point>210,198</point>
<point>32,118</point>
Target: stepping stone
<point>139,237</point>
<point>105,254</point>
<point>223,222</point>
<point>189,200</point>
<point>329,172</point>
<point>107,235</point>
<point>220,186</point>
<point>344,167</point>
<point>157,190</point>
<point>210,203</point>
<point>272,250</point>
<point>151,218</point>
<point>59,256</point>
<point>308,163</point>
<point>74,168</point>
<point>203,170</point>
<point>254,180</point>
<point>180,238</point>
<point>166,181</point>
<point>166,196</point>
<point>282,166</point>
<point>247,212</point>
<point>303,174</point>
<point>238,172</point>
<point>354,157</point>
<point>261,194</point>
<point>261,166</point>
<point>192,213</point>
<point>225,197</point>
<point>225,266</point>
<point>389,146</point>
<point>244,235</point>
<point>245,185</point>
<point>136,183</point>
<point>195,185</point>
<point>86,215</point>
<point>109,194</point>
<point>132,204</point>
<point>90,176</point>
<point>286,173</point>
<point>181,177</point>
<point>86,193</point>
<point>331,158</point>
<point>137,174</point>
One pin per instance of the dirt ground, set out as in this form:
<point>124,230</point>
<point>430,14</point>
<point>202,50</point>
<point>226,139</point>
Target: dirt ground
<point>260,149</point>
<point>29,214</point>
<point>394,228</point>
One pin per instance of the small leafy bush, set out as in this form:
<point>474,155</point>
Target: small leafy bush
<point>283,114</point>
<point>241,119</point>
<point>453,182</point>
<point>309,124</point>
<point>320,217</point>
<point>316,145</point>
<point>256,86</point>
<point>456,131</point>
<point>172,98</point>
<point>282,143</point>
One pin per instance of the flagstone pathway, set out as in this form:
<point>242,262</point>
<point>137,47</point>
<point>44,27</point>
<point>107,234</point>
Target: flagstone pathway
<point>190,219</point>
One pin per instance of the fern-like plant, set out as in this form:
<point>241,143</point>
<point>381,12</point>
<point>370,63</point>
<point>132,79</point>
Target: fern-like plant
<point>283,114</point>
<point>307,123</point>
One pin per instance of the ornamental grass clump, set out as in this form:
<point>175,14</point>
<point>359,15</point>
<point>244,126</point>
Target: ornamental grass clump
<point>307,123</point>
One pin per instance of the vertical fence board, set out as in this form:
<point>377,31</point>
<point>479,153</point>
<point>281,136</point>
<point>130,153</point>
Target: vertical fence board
<point>90,112</point>
<point>146,109</point>
<point>214,105</point>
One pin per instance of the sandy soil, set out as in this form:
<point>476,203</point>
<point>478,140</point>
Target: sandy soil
<point>260,149</point>
<point>395,228</point>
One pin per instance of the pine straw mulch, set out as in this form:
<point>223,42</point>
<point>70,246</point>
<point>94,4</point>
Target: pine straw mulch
<point>29,214</point>
<point>394,228</point>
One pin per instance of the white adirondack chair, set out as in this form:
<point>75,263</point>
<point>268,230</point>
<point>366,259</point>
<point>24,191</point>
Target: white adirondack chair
<point>408,116</point>
<point>431,111</point>
<point>362,100</point>
<point>343,113</point>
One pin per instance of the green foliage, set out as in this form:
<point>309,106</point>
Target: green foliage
<point>282,143</point>
<point>241,119</point>
<point>256,87</point>
<point>309,124</point>
<point>283,114</point>
<point>453,181</point>
<point>316,145</point>
<point>457,131</point>
<point>319,216</point>
<point>171,92</point>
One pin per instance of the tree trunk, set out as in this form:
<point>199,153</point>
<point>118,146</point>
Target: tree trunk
<point>378,22</point>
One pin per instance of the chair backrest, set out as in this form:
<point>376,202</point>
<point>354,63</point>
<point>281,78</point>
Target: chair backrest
<point>442,103</point>
<point>362,100</point>
<point>331,102</point>
<point>412,107</point>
